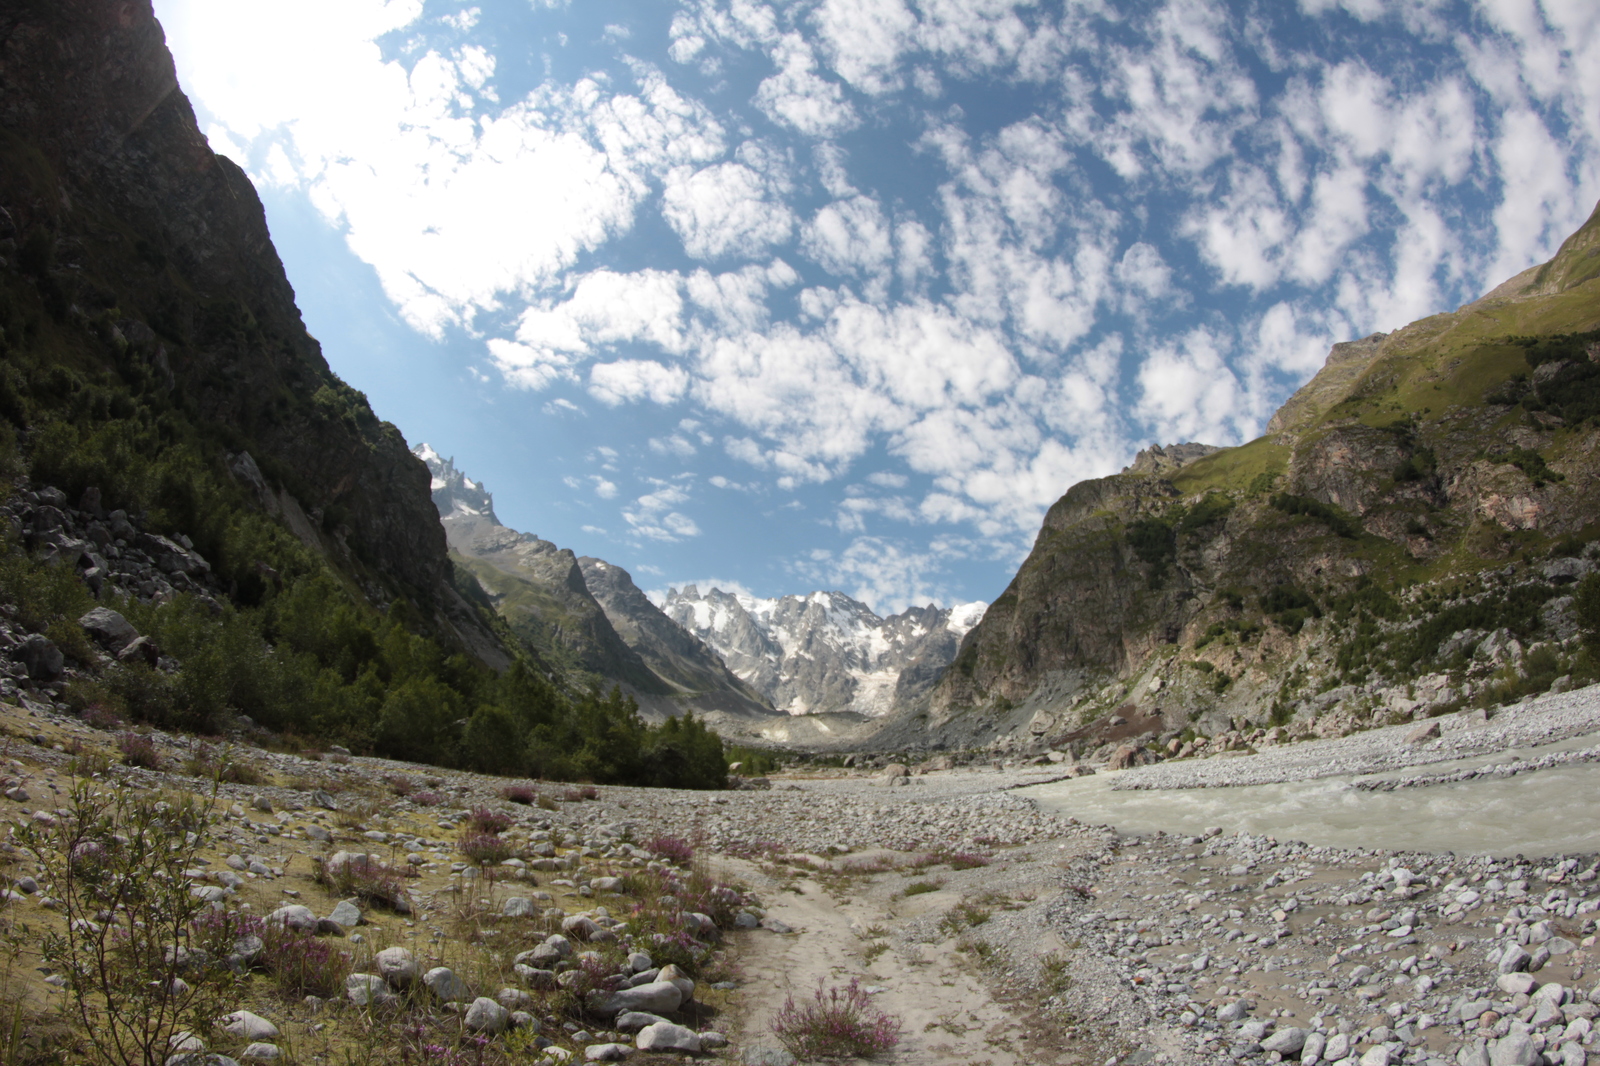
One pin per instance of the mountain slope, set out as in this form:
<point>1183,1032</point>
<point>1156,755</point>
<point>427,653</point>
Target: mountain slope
<point>1432,482</point>
<point>824,652</point>
<point>544,593</point>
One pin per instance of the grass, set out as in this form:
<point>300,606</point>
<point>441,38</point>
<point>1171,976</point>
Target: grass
<point>835,1023</point>
<point>139,750</point>
<point>918,888</point>
<point>1232,469</point>
<point>366,878</point>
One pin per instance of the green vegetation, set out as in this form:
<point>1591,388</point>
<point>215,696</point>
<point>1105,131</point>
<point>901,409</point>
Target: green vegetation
<point>298,646</point>
<point>1155,543</point>
<point>1335,519</point>
<point>1531,463</point>
<point>1291,607</point>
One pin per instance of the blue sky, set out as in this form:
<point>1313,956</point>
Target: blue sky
<point>845,293</point>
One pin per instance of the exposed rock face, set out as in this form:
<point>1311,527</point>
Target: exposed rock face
<point>105,165</point>
<point>1158,460</point>
<point>1290,575</point>
<point>671,652</point>
<point>584,613</point>
<point>824,652</point>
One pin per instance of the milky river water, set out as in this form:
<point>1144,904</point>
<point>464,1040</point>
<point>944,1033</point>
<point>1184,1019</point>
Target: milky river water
<point>1534,814</point>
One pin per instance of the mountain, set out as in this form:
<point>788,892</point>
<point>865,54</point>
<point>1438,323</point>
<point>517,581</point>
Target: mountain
<point>824,652</point>
<point>584,614</point>
<point>1399,543</point>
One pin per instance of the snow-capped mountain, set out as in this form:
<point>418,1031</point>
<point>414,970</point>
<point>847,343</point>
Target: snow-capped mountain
<point>824,651</point>
<point>584,616</point>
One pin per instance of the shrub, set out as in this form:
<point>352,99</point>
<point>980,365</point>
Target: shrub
<point>400,784</point>
<point>427,799</point>
<point>546,803</point>
<point>966,860</point>
<point>139,750</point>
<point>300,964</point>
<point>670,848</point>
<point>918,888</point>
<point>483,820</point>
<point>483,848</point>
<point>576,795</point>
<point>366,878</point>
<point>836,1023</point>
<point>518,794</point>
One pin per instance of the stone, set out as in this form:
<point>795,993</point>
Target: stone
<point>561,945</point>
<point>1311,1051</point>
<point>367,990</point>
<point>638,962</point>
<point>1375,1056</point>
<point>710,1040</point>
<point>606,884</point>
<point>1285,1041</point>
<point>1514,1049</point>
<point>1232,1012</point>
<point>324,800</point>
<point>1473,1054</point>
<point>248,1026</point>
<point>346,913</point>
<point>665,1036</point>
<point>109,629</point>
<point>1337,1048</point>
<point>1514,960</point>
<point>579,927</point>
<point>1513,983</point>
<point>446,986</point>
<point>767,1056</point>
<point>776,926</point>
<point>295,916</point>
<point>513,999</point>
<point>260,1052</point>
<point>1423,733</point>
<point>537,979</point>
<point>685,984</point>
<point>519,907</point>
<point>634,1020</point>
<point>486,1016</point>
<point>397,966</point>
<point>607,1052</point>
<point>42,658</point>
<point>658,997</point>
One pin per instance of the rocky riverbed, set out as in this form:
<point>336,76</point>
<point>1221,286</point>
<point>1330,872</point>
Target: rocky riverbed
<point>995,930</point>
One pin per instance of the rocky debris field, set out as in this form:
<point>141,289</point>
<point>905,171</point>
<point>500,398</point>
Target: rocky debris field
<point>1540,720</point>
<point>1002,932</point>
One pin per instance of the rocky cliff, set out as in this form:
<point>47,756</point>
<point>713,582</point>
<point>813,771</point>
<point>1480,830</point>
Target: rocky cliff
<point>144,244</point>
<point>585,615</point>
<point>1399,541</point>
<point>824,652</point>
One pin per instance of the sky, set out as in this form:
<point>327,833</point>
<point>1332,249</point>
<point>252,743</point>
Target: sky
<point>844,294</point>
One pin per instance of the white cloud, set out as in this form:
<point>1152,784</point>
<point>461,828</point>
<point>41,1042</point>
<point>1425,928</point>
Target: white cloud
<point>887,575</point>
<point>722,210</point>
<point>631,380</point>
<point>864,40</point>
<point>654,515</point>
<point>798,98</point>
<point>604,489</point>
<point>1187,392</point>
<point>849,237</point>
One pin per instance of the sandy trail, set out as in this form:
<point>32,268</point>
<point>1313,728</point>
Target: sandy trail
<point>857,928</point>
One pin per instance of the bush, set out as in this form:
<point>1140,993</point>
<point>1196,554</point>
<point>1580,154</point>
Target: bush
<point>837,1023</point>
<point>427,799</point>
<point>671,848</point>
<point>485,849</point>
<point>918,888</point>
<point>1586,606</point>
<point>518,794</point>
<point>368,879</point>
<point>483,820</point>
<point>139,750</point>
<point>966,860</point>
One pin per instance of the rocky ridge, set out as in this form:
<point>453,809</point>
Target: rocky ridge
<point>586,613</point>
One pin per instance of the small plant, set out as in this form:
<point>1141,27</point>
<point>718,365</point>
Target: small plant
<point>544,802</point>
<point>518,794</point>
<point>368,879</point>
<point>485,849</point>
<point>99,716</point>
<point>139,750</point>
<point>836,1023</point>
<point>966,860</point>
<point>427,799</point>
<point>918,888</point>
<point>585,792</point>
<point>671,848</point>
<point>400,784</point>
<point>483,820</point>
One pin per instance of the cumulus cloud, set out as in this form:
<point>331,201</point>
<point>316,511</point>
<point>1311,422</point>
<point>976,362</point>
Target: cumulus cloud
<point>724,210</point>
<point>800,99</point>
<point>632,380</point>
<point>654,515</point>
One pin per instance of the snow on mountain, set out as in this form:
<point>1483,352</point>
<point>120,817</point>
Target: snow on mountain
<point>824,651</point>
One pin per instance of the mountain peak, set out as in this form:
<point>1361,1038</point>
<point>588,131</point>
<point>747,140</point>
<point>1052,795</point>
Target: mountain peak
<point>453,492</point>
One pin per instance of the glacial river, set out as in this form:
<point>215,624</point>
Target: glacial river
<point>1538,813</point>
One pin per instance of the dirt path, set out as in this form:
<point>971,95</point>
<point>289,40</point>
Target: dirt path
<point>859,927</point>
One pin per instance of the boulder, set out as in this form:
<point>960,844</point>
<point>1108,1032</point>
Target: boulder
<point>397,966</point>
<point>295,916</point>
<point>445,985</point>
<point>109,629</point>
<point>519,907</point>
<point>487,1016</point>
<point>658,997</point>
<point>672,973</point>
<point>1423,733</point>
<point>42,658</point>
<point>634,1020</point>
<point>665,1036</point>
<point>248,1026</point>
<point>367,990</point>
<point>1286,1041</point>
<point>607,1052</point>
<point>579,927</point>
<point>347,913</point>
<point>1514,1049</point>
